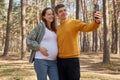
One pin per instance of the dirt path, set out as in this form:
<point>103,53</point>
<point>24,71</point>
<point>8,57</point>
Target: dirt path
<point>92,63</point>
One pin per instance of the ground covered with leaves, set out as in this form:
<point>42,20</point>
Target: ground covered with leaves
<point>92,68</point>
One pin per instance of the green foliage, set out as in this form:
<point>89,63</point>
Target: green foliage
<point>2,12</point>
<point>16,20</point>
<point>31,17</point>
<point>3,19</point>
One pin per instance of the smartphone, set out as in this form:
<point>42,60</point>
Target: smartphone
<point>96,8</point>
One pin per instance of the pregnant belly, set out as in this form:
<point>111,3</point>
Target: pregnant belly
<point>52,51</point>
<point>51,48</point>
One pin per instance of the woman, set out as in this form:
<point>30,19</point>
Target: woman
<point>43,42</point>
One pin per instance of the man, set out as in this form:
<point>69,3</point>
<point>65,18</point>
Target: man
<point>68,44</point>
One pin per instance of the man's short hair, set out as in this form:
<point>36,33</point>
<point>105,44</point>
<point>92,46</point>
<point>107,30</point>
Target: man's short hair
<point>58,6</point>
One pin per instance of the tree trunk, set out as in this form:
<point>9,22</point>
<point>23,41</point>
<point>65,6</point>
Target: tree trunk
<point>77,9</point>
<point>116,28</point>
<point>23,31</point>
<point>37,10</point>
<point>113,36</point>
<point>81,34</point>
<point>53,4</point>
<point>9,18</point>
<point>85,42</point>
<point>95,38</point>
<point>106,55</point>
<point>96,41</point>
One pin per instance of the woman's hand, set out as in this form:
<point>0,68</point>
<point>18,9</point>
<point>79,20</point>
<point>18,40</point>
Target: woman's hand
<point>44,51</point>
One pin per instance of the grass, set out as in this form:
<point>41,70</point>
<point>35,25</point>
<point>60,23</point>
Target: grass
<point>92,68</point>
<point>17,71</point>
<point>95,76</point>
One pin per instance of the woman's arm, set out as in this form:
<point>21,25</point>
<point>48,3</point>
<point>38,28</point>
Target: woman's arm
<point>31,39</point>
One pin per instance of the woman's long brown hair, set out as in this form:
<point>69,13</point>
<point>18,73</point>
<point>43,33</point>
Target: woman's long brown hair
<point>53,25</point>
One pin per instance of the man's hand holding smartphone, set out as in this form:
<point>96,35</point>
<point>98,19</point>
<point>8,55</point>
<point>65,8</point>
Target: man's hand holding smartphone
<point>97,13</point>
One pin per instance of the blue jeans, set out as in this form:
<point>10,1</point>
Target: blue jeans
<point>46,67</point>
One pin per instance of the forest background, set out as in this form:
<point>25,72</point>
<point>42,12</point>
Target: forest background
<point>19,17</point>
